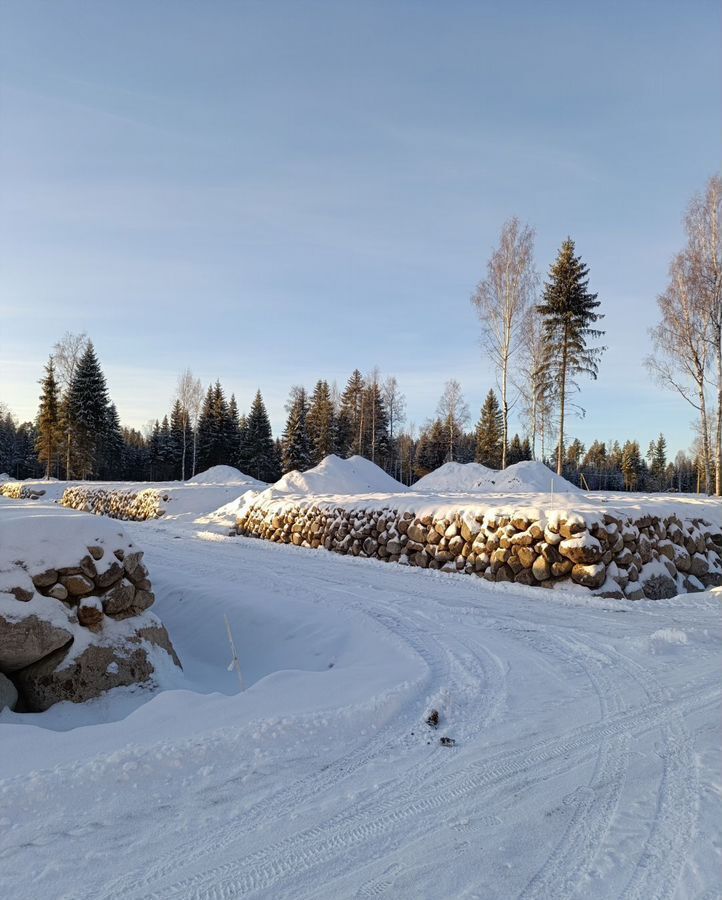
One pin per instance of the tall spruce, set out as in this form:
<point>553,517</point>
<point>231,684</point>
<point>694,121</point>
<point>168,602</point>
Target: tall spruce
<point>489,433</point>
<point>87,413</point>
<point>351,416</point>
<point>207,432</point>
<point>568,311</point>
<point>260,451</point>
<point>296,444</point>
<point>48,425</point>
<point>375,440</point>
<point>321,422</point>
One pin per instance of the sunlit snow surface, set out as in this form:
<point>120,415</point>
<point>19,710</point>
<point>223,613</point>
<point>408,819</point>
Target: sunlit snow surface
<point>586,763</point>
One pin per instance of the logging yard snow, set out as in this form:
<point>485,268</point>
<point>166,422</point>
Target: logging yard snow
<point>583,757</point>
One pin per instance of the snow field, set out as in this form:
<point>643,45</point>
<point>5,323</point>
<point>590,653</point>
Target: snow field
<point>584,765</point>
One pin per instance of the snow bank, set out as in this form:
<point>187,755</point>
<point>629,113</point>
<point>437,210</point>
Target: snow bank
<point>521,478</point>
<point>455,476</point>
<point>333,475</point>
<point>223,475</point>
<point>530,476</point>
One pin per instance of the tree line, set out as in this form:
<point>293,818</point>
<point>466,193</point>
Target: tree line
<point>541,344</point>
<point>77,434</point>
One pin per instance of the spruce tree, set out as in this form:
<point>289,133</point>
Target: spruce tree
<point>515,452</point>
<point>49,434</point>
<point>489,433</point>
<point>658,464</point>
<point>375,436</point>
<point>87,413</point>
<point>242,449</point>
<point>351,416</point>
<point>296,453</point>
<point>568,311</point>
<point>261,456</point>
<point>233,435</point>
<point>207,432</point>
<point>321,423</point>
<point>113,445</point>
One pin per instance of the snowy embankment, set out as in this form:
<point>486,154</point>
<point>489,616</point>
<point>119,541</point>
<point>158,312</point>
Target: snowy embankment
<point>586,757</point>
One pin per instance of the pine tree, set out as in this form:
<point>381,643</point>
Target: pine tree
<point>87,413</point>
<point>568,309</point>
<point>574,454</point>
<point>631,465</point>
<point>489,432</point>
<point>261,454</point>
<point>296,443</point>
<point>49,433</point>
<point>321,422</point>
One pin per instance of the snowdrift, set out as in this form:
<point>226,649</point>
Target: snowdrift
<point>454,476</point>
<point>333,475</point>
<point>223,475</point>
<point>532,477</point>
<point>521,478</point>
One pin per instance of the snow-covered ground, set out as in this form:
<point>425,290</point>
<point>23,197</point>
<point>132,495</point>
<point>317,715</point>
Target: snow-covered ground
<point>586,763</point>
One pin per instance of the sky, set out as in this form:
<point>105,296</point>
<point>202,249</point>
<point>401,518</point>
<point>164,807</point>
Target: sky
<point>271,193</point>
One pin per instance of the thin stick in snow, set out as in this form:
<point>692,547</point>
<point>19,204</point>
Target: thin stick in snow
<point>235,663</point>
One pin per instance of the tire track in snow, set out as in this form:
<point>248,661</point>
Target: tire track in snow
<point>445,668</point>
<point>343,833</point>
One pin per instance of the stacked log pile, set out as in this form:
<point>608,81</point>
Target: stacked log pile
<point>611,554</point>
<point>13,490</point>
<point>72,632</point>
<point>123,587</point>
<point>127,505</point>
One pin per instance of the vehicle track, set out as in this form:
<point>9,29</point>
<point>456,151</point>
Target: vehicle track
<point>342,833</point>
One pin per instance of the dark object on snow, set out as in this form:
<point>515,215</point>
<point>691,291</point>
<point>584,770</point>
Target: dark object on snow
<point>447,742</point>
<point>433,718</point>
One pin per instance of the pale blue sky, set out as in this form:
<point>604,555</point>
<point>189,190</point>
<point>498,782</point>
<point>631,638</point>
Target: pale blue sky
<point>275,192</point>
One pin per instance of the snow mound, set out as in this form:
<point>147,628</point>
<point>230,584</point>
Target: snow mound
<point>454,476</point>
<point>222,475</point>
<point>528,477</point>
<point>333,475</point>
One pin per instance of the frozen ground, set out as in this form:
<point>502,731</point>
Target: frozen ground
<point>587,756</point>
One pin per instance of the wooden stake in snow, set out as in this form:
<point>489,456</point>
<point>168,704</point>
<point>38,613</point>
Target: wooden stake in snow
<point>235,663</point>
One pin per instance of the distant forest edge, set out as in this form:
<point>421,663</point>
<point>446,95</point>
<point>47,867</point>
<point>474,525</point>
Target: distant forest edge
<point>539,344</point>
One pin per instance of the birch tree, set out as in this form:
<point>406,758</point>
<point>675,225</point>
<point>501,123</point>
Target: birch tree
<point>704,250</point>
<point>682,347</point>
<point>501,300</point>
<point>189,393</point>
<point>453,414</point>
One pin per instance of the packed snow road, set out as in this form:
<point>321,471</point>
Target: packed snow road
<point>585,763</point>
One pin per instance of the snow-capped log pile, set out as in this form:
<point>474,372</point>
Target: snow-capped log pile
<point>610,553</point>
<point>74,600</point>
<point>135,506</point>
<point>13,490</point>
